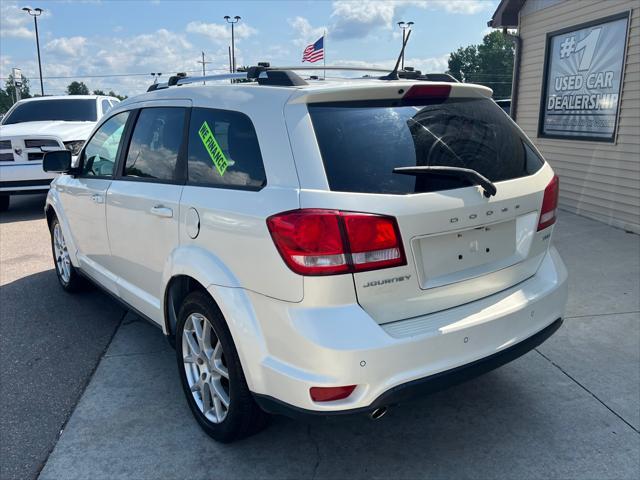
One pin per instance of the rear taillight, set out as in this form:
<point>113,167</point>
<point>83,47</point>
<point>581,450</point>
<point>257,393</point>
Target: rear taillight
<point>549,204</point>
<point>328,394</point>
<point>329,242</point>
<point>428,91</point>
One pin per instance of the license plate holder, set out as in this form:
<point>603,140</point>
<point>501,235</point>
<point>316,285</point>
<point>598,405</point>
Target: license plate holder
<point>459,255</point>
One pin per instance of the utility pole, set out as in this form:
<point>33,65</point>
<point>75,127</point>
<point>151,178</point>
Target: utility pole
<point>16,73</point>
<point>235,20</point>
<point>35,13</point>
<point>404,26</point>
<point>230,61</point>
<point>204,71</point>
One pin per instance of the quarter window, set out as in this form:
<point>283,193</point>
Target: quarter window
<point>224,150</point>
<point>102,150</point>
<point>106,106</point>
<point>155,144</point>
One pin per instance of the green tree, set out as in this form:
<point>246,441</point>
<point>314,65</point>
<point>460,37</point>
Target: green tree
<point>99,92</point>
<point>464,62</point>
<point>77,88</point>
<point>489,63</point>
<point>8,94</point>
<point>114,94</point>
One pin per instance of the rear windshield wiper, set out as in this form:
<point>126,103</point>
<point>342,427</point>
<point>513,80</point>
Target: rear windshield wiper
<point>467,173</point>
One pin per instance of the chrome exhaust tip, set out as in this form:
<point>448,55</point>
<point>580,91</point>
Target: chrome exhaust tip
<point>378,413</point>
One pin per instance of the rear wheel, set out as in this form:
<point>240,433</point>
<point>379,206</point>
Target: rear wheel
<point>4,203</point>
<point>67,274</point>
<point>211,373</point>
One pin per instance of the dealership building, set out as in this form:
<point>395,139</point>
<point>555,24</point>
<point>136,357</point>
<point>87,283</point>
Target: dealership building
<point>576,93</point>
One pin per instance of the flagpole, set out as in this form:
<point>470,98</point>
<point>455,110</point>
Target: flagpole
<point>324,56</point>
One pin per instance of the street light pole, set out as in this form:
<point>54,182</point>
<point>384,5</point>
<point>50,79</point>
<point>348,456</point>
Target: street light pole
<point>404,26</point>
<point>235,20</point>
<point>35,13</point>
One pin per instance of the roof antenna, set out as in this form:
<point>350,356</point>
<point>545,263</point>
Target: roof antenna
<point>394,73</point>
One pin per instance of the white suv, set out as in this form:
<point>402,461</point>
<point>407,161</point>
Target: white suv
<point>36,125</point>
<point>315,247</point>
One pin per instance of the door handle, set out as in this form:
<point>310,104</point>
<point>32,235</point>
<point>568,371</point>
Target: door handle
<point>97,198</point>
<point>162,211</point>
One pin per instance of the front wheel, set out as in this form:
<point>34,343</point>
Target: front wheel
<point>211,373</point>
<point>4,203</point>
<point>67,274</point>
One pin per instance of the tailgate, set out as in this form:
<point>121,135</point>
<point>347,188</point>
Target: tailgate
<point>460,246</point>
<point>457,251</point>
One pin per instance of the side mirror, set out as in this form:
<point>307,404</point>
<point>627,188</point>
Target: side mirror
<point>58,161</point>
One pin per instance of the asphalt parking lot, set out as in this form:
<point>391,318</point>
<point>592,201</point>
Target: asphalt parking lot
<point>50,342</point>
<point>570,409</point>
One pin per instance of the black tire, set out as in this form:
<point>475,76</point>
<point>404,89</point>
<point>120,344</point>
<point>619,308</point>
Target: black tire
<point>4,203</point>
<point>75,282</point>
<point>243,417</point>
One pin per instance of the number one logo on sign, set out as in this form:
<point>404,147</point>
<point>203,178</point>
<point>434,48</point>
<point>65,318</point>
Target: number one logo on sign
<point>588,44</point>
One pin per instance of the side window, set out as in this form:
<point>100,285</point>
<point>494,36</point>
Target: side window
<point>106,106</point>
<point>155,144</point>
<point>101,151</point>
<point>224,150</point>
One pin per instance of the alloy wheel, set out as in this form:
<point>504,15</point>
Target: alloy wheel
<point>63,262</point>
<point>205,367</point>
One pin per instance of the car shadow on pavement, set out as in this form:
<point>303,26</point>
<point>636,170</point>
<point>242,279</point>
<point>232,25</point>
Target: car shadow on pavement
<point>50,344</point>
<point>24,207</point>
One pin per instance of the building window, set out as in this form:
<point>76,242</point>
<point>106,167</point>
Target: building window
<point>583,80</point>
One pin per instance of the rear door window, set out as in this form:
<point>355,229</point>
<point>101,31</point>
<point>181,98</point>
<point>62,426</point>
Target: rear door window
<point>155,144</point>
<point>362,142</point>
<point>224,150</point>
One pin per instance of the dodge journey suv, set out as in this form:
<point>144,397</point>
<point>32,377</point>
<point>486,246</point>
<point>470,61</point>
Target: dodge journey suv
<point>315,247</point>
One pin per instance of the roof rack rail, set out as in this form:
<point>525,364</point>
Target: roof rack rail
<point>264,74</point>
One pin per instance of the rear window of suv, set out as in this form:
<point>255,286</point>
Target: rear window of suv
<point>362,142</point>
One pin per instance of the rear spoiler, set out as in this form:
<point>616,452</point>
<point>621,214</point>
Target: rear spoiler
<point>383,91</point>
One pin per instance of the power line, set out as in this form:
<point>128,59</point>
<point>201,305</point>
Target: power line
<point>109,75</point>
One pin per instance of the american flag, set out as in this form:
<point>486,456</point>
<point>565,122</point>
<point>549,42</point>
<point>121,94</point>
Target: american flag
<point>314,52</point>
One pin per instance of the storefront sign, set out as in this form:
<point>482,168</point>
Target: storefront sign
<point>583,80</point>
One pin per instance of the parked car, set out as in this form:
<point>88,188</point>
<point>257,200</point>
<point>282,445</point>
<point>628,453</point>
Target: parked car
<point>505,104</point>
<point>35,125</point>
<point>315,247</point>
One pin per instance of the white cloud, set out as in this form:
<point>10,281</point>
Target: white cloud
<point>357,19</point>
<point>425,65</point>
<point>76,57</point>
<point>305,33</point>
<point>466,7</point>
<point>14,22</point>
<point>221,33</point>
<point>69,46</point>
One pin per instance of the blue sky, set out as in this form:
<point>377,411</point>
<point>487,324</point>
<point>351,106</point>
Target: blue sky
<point>89,38</point>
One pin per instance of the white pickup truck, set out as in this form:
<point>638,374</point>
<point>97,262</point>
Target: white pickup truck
<point>36,125</point>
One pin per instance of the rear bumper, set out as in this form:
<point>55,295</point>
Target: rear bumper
<point>296,346</point>
<point>422,386</point>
